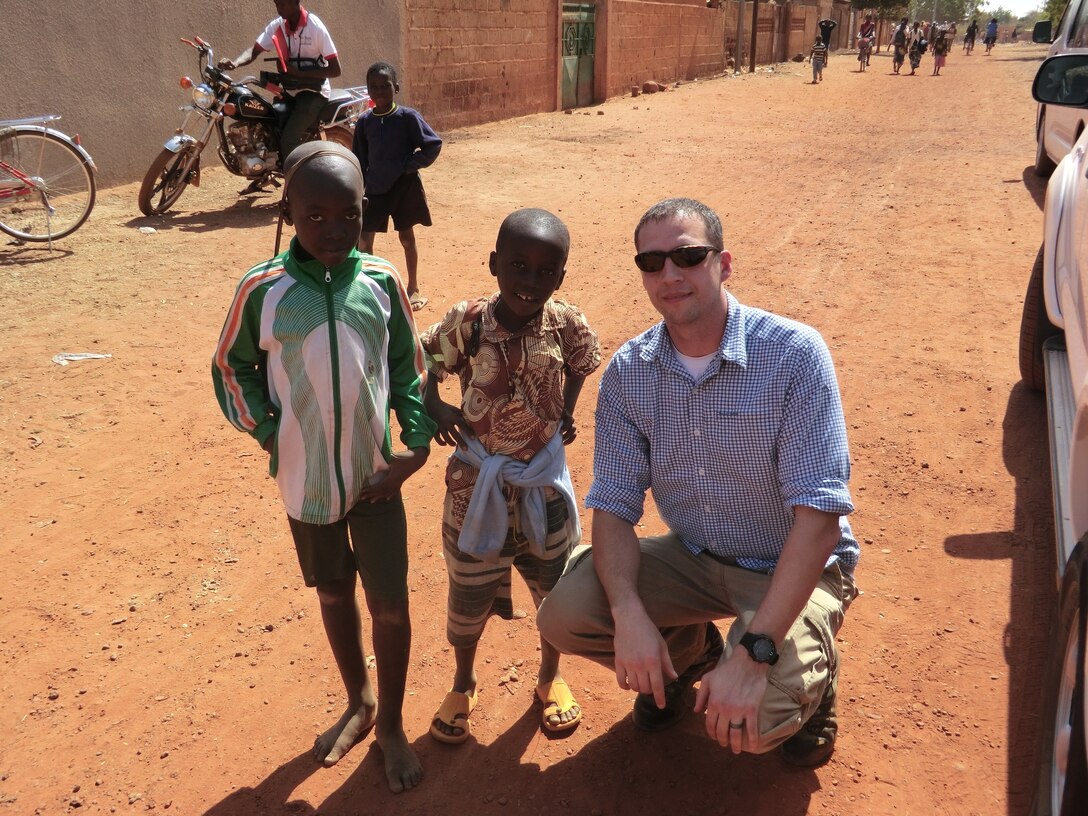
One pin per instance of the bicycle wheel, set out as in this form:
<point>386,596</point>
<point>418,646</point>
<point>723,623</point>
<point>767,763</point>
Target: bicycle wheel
<point>49,190</point>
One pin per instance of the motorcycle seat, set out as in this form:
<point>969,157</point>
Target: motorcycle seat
<point>336,99</point>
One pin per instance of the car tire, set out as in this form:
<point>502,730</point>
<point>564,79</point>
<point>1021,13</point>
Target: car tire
<point>1044,166</point>
<point>1035,329</point>
<point>1061,742</point>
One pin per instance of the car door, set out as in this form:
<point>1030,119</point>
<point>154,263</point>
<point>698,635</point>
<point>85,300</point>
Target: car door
<point>1062,125</point>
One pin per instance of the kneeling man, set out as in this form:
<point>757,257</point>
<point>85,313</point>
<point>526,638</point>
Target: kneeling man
<point>731,416</point>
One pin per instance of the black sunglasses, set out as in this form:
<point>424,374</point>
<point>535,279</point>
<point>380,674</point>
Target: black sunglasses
<point>684,257</point>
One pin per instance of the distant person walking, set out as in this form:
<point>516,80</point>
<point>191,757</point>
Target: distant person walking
<point>917,48</point>
<point>826,26</point>
<point>900,39</point>
<point>818,57</point>
<point>940,51</point>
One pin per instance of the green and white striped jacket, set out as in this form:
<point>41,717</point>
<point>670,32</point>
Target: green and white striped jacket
<point>317,356</point>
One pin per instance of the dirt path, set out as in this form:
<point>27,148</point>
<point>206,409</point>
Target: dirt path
<point>160,653</point>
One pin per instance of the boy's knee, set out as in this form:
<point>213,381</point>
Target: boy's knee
<point>333,593</point>
<point>385,612</point>
<point>407,238</point>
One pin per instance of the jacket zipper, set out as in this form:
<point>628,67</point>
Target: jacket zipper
<point>334,357</point>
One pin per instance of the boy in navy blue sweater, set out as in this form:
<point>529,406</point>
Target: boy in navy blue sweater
<point>393,144</point>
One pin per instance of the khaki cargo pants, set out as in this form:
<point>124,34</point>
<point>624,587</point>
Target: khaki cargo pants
<point>681,592</point>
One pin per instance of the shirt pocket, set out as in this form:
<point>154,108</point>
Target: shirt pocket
<point>746,442</point>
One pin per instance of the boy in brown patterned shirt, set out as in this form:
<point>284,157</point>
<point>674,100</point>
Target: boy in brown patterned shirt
<point>521,358</point>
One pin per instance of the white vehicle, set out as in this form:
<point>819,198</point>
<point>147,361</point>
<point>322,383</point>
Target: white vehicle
<point>1054,357</point>
<point>1058,128</point>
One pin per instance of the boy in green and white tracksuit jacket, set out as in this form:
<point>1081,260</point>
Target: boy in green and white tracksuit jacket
<point>317,357</point>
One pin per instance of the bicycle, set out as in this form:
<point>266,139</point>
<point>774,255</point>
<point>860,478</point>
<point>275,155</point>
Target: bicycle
<point>47,185</point>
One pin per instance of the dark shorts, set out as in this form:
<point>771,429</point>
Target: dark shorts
<point>405,202</point>
<point>378,549</point>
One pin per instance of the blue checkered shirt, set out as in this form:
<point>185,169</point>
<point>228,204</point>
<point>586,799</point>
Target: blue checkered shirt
<point>728,455</point>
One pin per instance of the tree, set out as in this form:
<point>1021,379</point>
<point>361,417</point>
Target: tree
<point>954,10</point>
<point>1001,14</point>
<point>1052,9</point>
<point>881,9</point>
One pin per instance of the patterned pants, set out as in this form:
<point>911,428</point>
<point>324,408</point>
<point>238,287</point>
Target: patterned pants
<point>479,589</point>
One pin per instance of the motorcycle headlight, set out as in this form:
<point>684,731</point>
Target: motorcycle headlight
<point>203,96</point>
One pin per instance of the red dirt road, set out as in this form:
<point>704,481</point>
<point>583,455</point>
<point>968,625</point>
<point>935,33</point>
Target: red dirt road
<point>161,654</point>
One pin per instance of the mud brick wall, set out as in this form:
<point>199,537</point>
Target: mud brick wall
<point>665,41</point>
<point>473,61</point>
<point>111,67</point>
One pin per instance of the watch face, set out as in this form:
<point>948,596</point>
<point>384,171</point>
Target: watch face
<point>763,649</point>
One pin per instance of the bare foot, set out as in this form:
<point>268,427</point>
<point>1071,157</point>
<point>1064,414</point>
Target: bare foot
<point>348,730</point>
<point>403,770</point>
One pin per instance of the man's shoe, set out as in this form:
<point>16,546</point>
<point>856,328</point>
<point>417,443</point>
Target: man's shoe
<point>815,742</point>
<point>648,717</point>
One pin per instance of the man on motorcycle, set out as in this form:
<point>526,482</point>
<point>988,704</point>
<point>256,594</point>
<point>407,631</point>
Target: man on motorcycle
<point>307,56</point>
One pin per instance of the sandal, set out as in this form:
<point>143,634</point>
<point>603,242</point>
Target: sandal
<point>417,301</point>
<point>557,700</point>
<point>454,712</point>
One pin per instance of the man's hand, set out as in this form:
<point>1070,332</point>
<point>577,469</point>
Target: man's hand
<point>732,693</point>
<point>401,466</point>
<point>642,658</point>
<point>226,64</point>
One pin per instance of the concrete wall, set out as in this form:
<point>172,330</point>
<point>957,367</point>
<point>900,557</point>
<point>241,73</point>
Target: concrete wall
<point>473,61</point>
<point>111,67</point>
<point>665,40</point>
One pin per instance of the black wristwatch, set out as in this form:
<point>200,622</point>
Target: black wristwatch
<point>760,647</point>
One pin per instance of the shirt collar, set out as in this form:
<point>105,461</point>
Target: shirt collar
<point>303,16</point>
<point>544,322</point>
<point>302,267</point>
<point>732,349</point>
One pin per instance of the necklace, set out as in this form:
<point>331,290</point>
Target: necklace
<point>381,116</point>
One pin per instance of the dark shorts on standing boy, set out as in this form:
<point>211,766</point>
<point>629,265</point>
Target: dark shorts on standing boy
<point>378,549</point>
<point>405,202</point>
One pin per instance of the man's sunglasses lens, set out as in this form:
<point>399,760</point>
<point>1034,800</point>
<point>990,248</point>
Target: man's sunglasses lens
<point>683,257</point>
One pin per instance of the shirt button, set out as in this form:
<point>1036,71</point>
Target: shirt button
<point>702,472</point>
<point>706,509</point>
<point>695,432</point>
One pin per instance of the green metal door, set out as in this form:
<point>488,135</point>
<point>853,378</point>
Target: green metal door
<point>579,35</point>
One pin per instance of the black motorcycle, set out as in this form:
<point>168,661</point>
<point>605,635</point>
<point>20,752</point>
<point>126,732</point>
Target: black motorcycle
<point>248,127</point>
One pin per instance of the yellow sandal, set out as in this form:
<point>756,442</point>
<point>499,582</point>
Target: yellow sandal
<point>557,700</point>
<point>454,712</point>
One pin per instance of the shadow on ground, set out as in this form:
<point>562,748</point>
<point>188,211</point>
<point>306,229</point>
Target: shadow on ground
<point>1029,546</point>
<point>1035,185</point>
<point>676,773</point>
<point>238,213</point>
<point>19,253</point>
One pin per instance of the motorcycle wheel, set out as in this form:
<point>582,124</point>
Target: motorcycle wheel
<point>164,183</point>
<point>341,135</point>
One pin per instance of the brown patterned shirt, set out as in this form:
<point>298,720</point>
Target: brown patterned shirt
<point>512,385</point>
